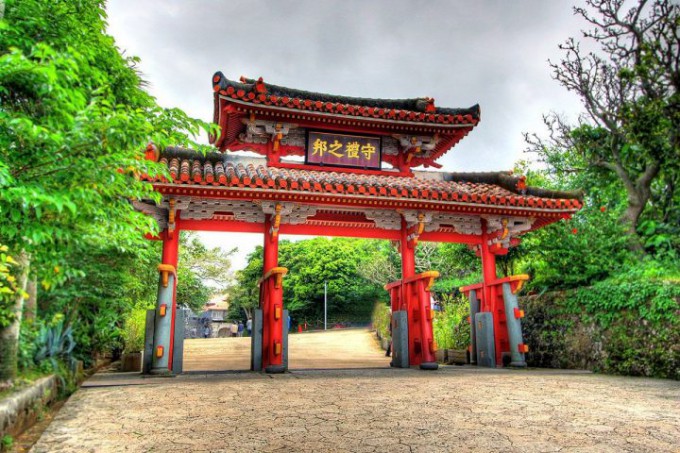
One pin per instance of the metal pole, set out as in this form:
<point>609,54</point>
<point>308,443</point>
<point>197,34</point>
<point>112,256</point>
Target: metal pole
<point>325,304</point>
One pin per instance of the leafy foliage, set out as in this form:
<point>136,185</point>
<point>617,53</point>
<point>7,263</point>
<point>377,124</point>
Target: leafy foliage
<point>8,287</point>
<point>74,123</point>
<point>100,288</point>
<point>629,90</point>
<point>134,330</point>
<point>73,128</point>
<point>589,247</point>
<point>380,320</point>
<point>311,263</point>
<point>450,326</point>
<point>211,266</point>
<point>201,272</point>
<point>627,324</point>
<point>53,343</point>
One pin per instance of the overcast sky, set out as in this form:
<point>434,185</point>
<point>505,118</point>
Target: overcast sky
<point>494,53</point>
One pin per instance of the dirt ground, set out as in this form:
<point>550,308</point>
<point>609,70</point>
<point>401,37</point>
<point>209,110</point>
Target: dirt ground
<point>370,410</point>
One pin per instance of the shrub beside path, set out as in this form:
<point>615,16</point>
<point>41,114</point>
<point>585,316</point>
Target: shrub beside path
<point>372,410</point>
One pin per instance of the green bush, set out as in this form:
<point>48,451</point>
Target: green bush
<point>48,348</point>
<point>53,343</point>
<point>628,324</point>
<point>6,443</point>
<point>450,327</point>
<point>133,330</point>
<point>381,320</point>
<point>28,343</point>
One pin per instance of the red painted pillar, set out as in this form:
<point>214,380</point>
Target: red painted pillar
<point>271,304</point>
<point>171,256</point>
<point>166,303</point>
<point>409,300</point>
<point>408,269</point>
<point>408,254</point>
<point>271,247</point>
<point>488,269</point>
<point>493,298</point>
<point>171,248</point>
<point>428,361</point>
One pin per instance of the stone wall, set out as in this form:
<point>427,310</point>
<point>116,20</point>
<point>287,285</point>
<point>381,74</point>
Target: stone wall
<point>19,410</point>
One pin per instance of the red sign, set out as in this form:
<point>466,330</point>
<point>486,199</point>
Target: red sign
<point>339,150</point>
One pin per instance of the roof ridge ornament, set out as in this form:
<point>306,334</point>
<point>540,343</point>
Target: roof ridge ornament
<point>260,87</point>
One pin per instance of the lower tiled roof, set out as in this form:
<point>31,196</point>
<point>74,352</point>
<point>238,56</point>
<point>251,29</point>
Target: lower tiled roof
<point>188,167</point>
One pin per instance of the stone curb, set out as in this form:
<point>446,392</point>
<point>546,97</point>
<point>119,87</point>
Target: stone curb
<point>17,409</point>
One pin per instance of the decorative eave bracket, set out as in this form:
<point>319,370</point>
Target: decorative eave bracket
<point>413,145</point>
<point>261,131</point>
<point>415,225</point>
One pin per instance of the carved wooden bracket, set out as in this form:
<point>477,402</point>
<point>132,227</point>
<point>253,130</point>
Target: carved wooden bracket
<point>277,273</point>
<point>506,231</point>
<point>516,283</point>
<point>429,276</point>
<point>172,212</point>
<point>276,221</point>
<point>414,145</point>
<point>278,136</point>
<point>166,270</point>
<point>416,230</point>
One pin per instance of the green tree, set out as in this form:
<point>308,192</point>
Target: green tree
<point>456,264</point>
<point>570,253</point>
<point>334,262</point>
<point>355,271</point>
<point>201,271</point>
<point>629,89</point>
<point>311,263</point>
<point>98,287</point>
<point>244,294</point>
<point>74,123</point>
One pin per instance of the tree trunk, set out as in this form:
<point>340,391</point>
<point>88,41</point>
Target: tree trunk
<point>631,216</point>
<point>638,196</point>
<point>9,336</point>
<point>31,304</point>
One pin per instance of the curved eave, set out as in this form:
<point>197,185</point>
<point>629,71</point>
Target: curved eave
<point>230,123</point>
<point>359,201</point>
<point>386,123</point>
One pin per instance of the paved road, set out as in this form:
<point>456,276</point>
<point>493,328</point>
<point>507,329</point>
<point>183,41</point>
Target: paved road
<point>336,348</point>
<point>371,410</point>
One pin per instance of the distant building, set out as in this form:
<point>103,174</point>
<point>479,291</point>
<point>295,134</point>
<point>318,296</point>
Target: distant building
<point>215,316</point>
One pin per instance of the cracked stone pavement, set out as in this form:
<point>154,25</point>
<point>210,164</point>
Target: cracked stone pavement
<point>371,410</point>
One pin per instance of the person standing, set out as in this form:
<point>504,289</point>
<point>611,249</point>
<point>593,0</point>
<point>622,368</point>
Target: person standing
<point>249,326</point>
<point>234,329</point>
<point>240,328</point>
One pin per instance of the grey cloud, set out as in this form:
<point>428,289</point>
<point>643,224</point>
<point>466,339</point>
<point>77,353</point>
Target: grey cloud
<point>493,53</point>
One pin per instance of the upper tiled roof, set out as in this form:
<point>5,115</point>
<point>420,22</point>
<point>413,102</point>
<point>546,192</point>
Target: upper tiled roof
<point>188,167</point>
<point>414,110</point>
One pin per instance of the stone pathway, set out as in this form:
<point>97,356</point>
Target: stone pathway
<point>372,410</point>
<point>335,348</point>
